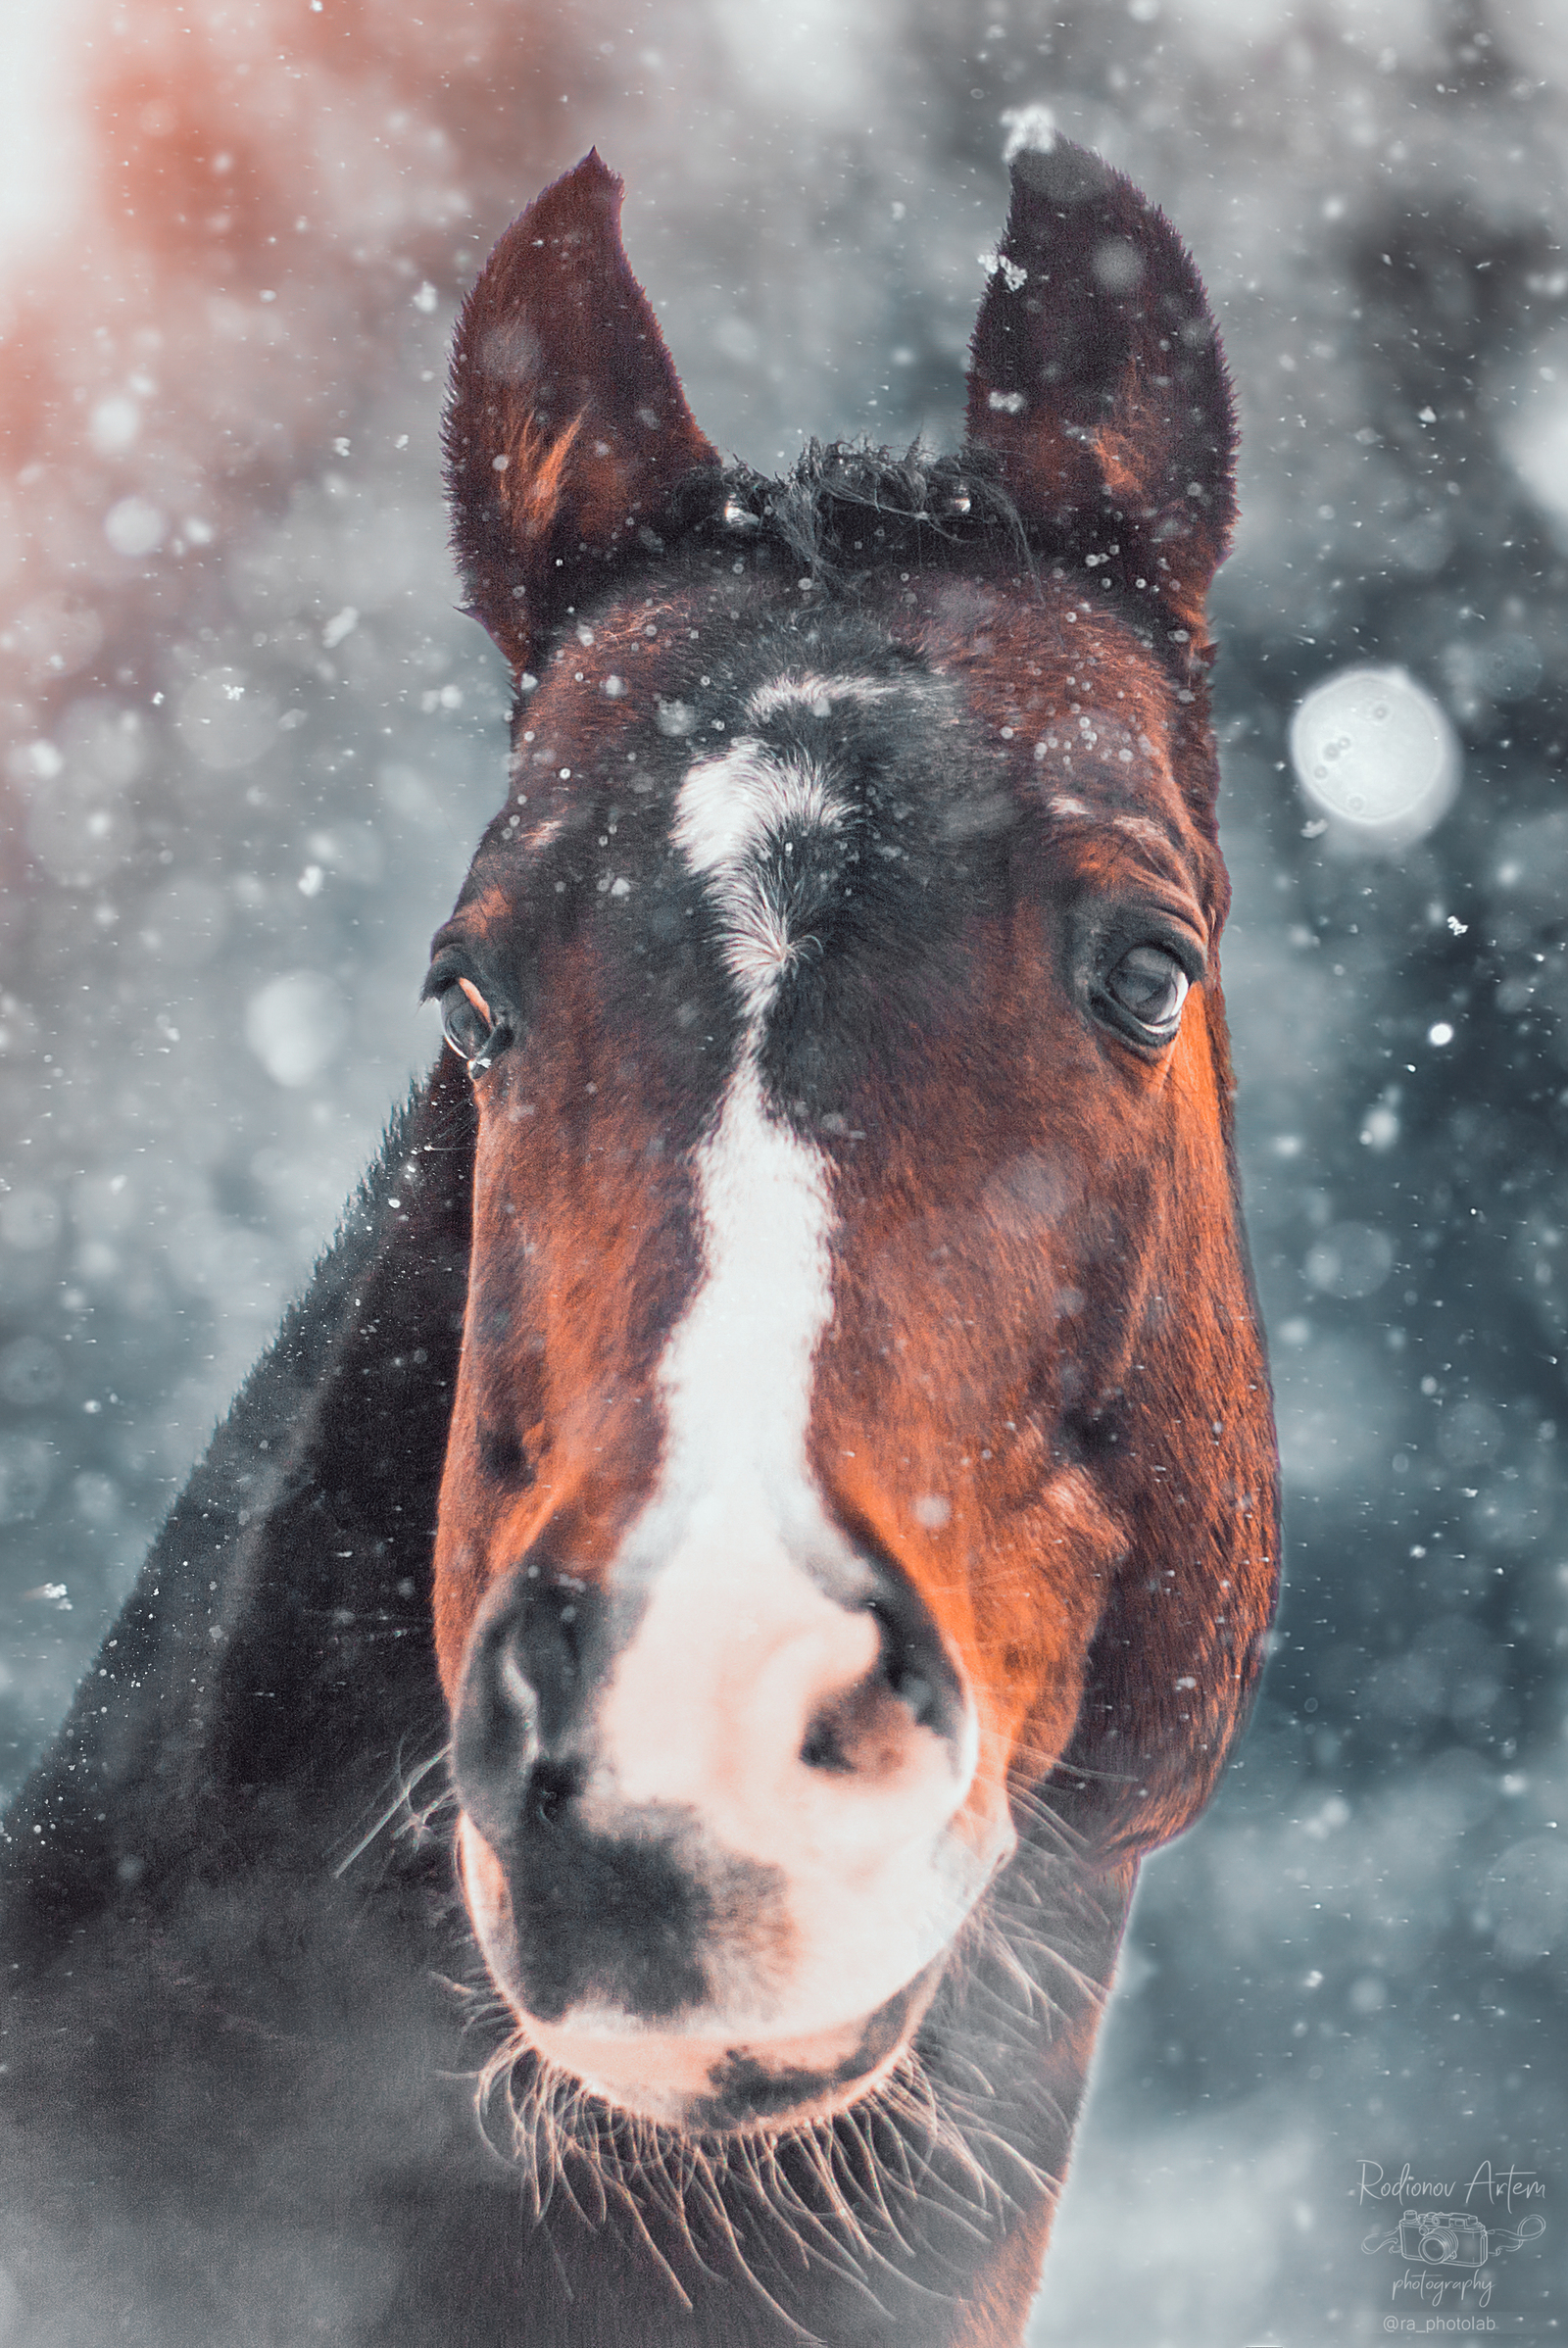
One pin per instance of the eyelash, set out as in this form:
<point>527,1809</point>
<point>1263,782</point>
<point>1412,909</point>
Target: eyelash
<point>463,1012</point>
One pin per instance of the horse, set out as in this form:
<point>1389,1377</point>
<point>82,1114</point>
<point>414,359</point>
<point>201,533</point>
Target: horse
<point>611,1810</point>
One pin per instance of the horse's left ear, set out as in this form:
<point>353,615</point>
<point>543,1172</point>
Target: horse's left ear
<point>567,434</point>
<point>1097,380</point>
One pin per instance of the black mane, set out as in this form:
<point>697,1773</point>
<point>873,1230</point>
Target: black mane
<point>850,508</point>
<point>849,512</point>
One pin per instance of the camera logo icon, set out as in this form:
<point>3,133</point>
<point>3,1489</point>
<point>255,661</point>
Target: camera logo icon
<point>1443,2238</point>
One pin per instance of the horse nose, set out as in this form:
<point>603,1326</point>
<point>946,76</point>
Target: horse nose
<point>769,1708</point>
<point>740,1710</point>
<point>521,1698</point>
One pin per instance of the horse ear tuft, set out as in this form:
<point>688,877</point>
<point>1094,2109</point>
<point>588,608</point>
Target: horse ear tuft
<point>1098,381</point>
<point>566,431</point>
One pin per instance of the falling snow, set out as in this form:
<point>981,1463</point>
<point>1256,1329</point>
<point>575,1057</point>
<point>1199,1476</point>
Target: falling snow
<point>252,743</point>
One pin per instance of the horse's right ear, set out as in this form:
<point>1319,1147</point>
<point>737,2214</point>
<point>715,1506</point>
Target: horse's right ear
<point>567,433</point>
<point>1096,381</point>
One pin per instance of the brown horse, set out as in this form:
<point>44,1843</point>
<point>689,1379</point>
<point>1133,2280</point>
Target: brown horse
<point>855,1529</point>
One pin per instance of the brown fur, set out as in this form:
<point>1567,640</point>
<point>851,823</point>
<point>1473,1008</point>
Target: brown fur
<point>1042,1394</point>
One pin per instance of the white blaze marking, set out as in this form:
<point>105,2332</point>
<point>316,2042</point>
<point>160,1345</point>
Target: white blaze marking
<point>753,1602</point>
<point>735,1550</point>
<point>737,1375</point>
<point>816,695</point>
<point>728,806</point>
<point>735,1542</point>
<point>726,809</point>
<point>754,1615</point>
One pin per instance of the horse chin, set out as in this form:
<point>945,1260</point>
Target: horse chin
<point>707,2085</point>
<point>691,2072</point>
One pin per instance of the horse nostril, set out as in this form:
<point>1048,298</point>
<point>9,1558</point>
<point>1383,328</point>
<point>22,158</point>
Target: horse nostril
<point>552,1784</point>
<point>551,1651</point>
<point>914,1690</point>
<point>524,1688</point>
<point>913,1664</point>
<point>863,1730</point>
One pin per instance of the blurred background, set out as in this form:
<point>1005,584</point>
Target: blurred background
<point>248,743</point>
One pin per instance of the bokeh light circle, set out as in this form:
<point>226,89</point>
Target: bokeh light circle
<point>1375,752</point>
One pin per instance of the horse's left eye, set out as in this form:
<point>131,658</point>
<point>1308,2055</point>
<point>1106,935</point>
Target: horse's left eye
<point>1151,986</point>
<point>468,1024</point>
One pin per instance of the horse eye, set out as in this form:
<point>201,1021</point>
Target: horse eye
<point>1151,986</point>
<point>467,1025</point>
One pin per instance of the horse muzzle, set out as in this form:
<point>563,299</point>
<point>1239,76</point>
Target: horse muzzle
<point>692,2072</point>
<point>715,1864</point>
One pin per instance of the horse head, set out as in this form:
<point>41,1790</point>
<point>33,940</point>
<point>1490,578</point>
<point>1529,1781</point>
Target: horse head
<point>861,1467</point>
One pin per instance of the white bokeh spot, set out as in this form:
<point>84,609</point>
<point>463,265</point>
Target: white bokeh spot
<point>294,1025</point>
<point>1374,751</point>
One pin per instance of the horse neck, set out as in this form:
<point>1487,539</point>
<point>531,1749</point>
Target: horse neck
<point>272,1669</point>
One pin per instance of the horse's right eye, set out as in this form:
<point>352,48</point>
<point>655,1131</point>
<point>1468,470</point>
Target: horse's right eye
<point>1149,984</point>
<point>1142,994</point>
<point>468,1025</point>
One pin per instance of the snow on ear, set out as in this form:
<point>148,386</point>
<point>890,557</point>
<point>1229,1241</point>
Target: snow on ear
<point>567,430</point>
<point>1097,379</point>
